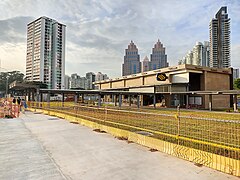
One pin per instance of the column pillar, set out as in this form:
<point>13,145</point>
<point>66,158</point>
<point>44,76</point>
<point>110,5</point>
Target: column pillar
<point>75,98</point>
<point>120,100</point>
<point>130,100</point>
<point>141,99</point>
<point>99,100</point>
<point>112,98</point>
<point>33,98</point>
<point>235,109</point>
<point>115,100</point>
<point>62,99</point>
<point>210,102</point>
<point>138,101</point>
<point>154,101</point>
<point>187,100</point>
<point>82,98</point>
<point>48,99</point>
<point>41,97</point>
<point>29,95</point>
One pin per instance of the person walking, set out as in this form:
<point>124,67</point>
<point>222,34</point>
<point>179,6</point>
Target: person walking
<point>24,105</point>
<point>14,100</point>
<point>18,101</point>
<point>19,105</point>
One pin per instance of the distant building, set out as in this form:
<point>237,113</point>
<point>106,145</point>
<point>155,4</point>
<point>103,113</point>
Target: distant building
<point>198,56</point>
<point>67,82</point>
<point>90,78</point>
<point>145,64</point>
<point>83,82</point>
<point>100,76</point>
<point>158,58</point>
<point>131,64</point>
<point>220,40</point>
<point>45,60</point>
<point>189,58</point>
<point>75,81</point>
<point>235,73</point>
<point>206,54</point>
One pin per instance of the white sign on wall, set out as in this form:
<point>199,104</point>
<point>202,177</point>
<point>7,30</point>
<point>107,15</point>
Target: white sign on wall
<point>180,78</point>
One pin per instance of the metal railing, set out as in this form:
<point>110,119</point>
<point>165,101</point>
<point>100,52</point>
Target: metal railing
<point>202,132</point>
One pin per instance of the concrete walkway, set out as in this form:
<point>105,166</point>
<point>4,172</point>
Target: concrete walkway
<point>37,146</point>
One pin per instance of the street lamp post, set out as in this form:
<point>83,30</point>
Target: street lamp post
<point>7,86</point>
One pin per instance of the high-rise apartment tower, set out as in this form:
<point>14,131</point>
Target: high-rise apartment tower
<point>220,40</point>
<point>45,59</point>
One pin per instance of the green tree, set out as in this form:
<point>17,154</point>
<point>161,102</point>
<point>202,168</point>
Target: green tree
<point>236,84</point>
<point>9,77</point>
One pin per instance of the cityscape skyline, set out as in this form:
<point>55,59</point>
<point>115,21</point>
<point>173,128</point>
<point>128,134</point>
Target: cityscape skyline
<point>96,41</point>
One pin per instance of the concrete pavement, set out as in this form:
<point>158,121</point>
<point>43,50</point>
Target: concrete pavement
<point>37,146</point>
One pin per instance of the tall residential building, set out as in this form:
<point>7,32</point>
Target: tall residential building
<point>206,54</point>
<point>45,60</point>
<point>158,57</point>
<point>145,64</point>
<point>197,54</point>
<point>74,81</point>
<point>220,40</point>
<point>77,82</point>
<point>100,76</point>
<point>90,78</point>
<point>67,82</point>
<point>189,58</point>
<point>235,73</point>
<point>131,64</point>
<point>83,82</point>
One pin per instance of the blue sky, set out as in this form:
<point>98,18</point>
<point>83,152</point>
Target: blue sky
<point>98,31</point>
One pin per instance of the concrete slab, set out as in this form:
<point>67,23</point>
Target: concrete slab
<point>36,144</point>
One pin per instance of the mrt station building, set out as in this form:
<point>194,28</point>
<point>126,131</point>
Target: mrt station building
<point>185,85</point>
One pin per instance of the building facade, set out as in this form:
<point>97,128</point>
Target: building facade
<point>90,78</point>
<point>220,40</point>
<point>179,86</point>
<point>235,73</point>
<point>100,76</point>
<point>145,64</point>
<point>45,60</point>
<point>67,82</point>
<point>74,81</point>
<point>198,56</point>
<point>189,58</point>
<point>158,58</point>
<point>77,82</point>
<point>132,64</point>
<point>206,54</point>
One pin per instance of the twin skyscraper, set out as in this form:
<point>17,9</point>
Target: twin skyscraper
<point>132,64</point>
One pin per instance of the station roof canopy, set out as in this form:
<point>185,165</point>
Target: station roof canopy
<point>107,92</point>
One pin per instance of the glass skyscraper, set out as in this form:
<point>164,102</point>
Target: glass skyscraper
<point>158,57</point>
<point>132,64</point>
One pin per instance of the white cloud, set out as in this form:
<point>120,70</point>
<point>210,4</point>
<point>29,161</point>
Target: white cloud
<point>13,56</point>
<point>99,31</point>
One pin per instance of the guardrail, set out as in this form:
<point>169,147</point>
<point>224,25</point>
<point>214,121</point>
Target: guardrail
<point>213,142</point>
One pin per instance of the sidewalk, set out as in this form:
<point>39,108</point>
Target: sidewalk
<point>37,146</point>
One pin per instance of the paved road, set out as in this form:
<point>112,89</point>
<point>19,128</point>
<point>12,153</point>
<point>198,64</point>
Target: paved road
<point>37,146</point>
